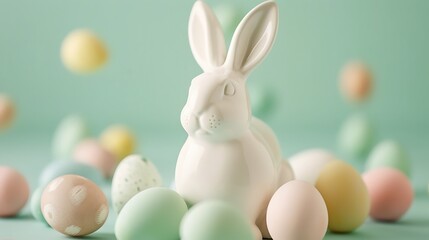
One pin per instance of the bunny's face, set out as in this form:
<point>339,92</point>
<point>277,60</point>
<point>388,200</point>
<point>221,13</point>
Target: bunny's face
<point>217,107</point>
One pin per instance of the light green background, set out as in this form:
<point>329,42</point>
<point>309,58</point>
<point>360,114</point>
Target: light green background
<point>145,82</point>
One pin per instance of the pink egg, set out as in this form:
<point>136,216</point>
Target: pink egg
<point>94,154</point>
<point>390,192</point>
<point>74,206</point>
<point>297,211</point>
<point>14,192</point>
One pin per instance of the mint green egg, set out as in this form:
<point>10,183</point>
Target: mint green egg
<point>229,17</point>
<point>153,214</point>
<point>35,205</point>
<point>356,136</point>
<point>215,220</point>
<point>389,154</point>
<point>68,134</point>
<point>262,99</point>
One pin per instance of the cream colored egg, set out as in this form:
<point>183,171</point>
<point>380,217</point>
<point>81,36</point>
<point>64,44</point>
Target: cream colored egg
<point>307,164</point>
<point>82,51</point>
<point>119,140</point>
<point>345,195</point>
<point>297,211</point>
<point>7,111</point>
<point>74,206</point>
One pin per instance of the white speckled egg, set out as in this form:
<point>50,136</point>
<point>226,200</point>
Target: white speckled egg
<point>133,175</point>
<point>308,164</point>
<point>297,211</point>
<point>74,206</point>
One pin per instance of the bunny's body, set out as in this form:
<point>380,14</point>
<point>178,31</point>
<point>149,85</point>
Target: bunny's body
<point>229,154</point>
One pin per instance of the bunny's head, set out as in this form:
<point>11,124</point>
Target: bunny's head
<point>218,105</point>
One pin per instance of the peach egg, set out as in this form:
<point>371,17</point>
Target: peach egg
<point>74,206</point>
<point>14,191</point>
<point>390,192</point>
<point>92,153</point>
<point>7,111</point>
<point>356,81</point>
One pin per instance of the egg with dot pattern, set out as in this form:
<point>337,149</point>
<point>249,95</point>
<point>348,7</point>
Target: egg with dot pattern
<point>133,175</point>
<point>74,206</point>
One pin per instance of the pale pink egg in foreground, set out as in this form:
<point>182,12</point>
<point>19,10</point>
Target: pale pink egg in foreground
<point>92,153</point>
<point>14,191</point>
<point>390,192</point>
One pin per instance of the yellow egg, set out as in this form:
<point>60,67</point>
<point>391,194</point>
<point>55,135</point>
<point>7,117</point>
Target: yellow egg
<point>345,195</point>
<point>118,140</point>
<point>82,51</point>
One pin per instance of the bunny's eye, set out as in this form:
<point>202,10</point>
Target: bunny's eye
<point>229,89</point>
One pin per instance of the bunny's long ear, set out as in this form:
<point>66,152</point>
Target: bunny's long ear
<point>253,38</point>
<point>206,37</point>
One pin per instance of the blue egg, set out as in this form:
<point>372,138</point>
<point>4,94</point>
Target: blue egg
<point>60,168</point>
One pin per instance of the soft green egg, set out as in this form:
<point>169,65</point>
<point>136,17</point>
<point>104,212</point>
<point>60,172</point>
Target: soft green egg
<point>59,168</point>
<point>153,214</point>
<point>215,220</point>
<point>229,17</point>
<point>68,134</point>
<point>35,205</point>
<point>356,136</point>
<point>389,154</point>
<point>262,99</point>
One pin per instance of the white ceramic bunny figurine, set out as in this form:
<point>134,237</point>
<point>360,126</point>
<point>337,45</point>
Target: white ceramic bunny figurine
<point>229,154</point>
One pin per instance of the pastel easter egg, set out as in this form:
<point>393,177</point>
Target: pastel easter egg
<point>119,140</point>
<point>74,206</point>
<point>214,220</point>
<point>345,195</point>
<point>356,136</point>
<point>389,154</point>
<point>14,191</point>
<point>82,51</point>
<point>7,111</point>
<point>155,213</point>
<point>59,168</point>
<point>36,211</point>
<point>92,153</point>
<point>262,99</point>
<point>68,134</point>
<point>391,193</point>
<point>308,164</point>
<point>229,17</point>
<point>133,175</point>
<point>356,81</point>
<point>297,211</point>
